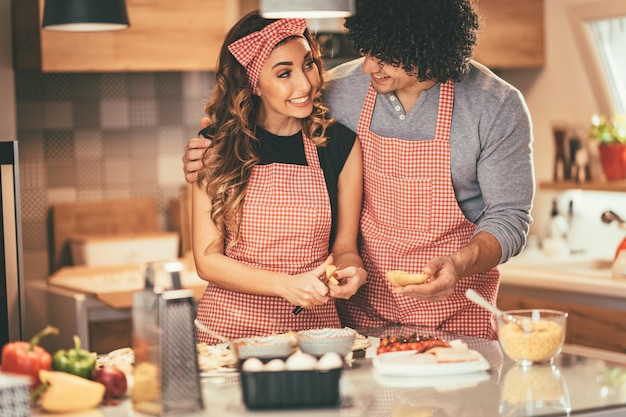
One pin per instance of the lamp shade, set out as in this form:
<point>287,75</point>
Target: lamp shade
<point>312,9</point>
<point>85,15</point>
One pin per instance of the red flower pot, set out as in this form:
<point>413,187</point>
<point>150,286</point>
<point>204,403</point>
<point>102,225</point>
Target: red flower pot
<point>613,158</point>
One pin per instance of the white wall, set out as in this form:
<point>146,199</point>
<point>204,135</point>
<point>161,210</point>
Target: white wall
<point>7,97</point>
<point>561,91</point>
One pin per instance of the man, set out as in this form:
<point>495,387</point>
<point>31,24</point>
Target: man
<point>447,160</point>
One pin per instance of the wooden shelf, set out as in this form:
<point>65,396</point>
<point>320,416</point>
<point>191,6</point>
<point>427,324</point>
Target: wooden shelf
<point>616,186</point>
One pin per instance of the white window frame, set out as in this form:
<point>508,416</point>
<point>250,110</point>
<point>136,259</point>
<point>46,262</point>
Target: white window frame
<point>579,15</point>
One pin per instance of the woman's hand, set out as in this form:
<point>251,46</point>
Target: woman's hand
<point>350,280</point>
<point>308,289</point>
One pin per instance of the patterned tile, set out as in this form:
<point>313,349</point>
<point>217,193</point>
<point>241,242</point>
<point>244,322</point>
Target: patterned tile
<point>89,173</point>
<point>144,190</point>
<point>61,174</point>
<point>114,114</point>
<point>193,111</point>
<point>88,143</point>
<point>86,86</point>
<point>58,115</point>
<point>57,87</point>
<point>30,115</point>
<point>33,205</point>
<point>171,140</point>
<point>87,114</point>
<point>61,195</point>
<point>143,171</point>
<point>34,235</point>
<point>58,145</point>
<point>116,192</point>
<point>33,176</point>
<point>90,194</point>
<point>28,85</point>
<point>142,85</point>
<point>166,194</point>
<point>170,112</point>
<point>114,85</point>
<point>169,85</point>
<point>116,143</point>
<point>143,140</point>
<point>116,172</point>
<point>170,170</point>
<point>143,112</point>
<point>30,146</point>
<point>197,84</point>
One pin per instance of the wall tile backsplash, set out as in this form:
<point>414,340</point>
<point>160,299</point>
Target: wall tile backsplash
<point>93,136</point>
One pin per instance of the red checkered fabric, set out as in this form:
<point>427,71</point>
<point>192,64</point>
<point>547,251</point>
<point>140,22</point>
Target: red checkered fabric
<point>252,50</point>
<point>285,227</point>
<point>410,215</point>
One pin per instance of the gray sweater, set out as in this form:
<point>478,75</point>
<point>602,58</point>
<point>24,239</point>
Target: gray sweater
<point>490,143</point>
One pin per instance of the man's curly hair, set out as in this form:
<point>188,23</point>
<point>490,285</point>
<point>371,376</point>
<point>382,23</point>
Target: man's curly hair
<point>431,39</point>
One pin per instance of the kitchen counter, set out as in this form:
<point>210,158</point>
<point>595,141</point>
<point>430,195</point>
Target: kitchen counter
<point>579,279</point>
<point>584,382</point>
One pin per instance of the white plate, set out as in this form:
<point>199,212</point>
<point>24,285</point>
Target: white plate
<point>445,381</point>
<point>408,363</point>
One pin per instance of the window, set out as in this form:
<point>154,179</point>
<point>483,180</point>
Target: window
<point>600,30</point>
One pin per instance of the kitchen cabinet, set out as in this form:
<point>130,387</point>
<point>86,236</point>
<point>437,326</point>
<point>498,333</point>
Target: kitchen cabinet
<point>512,34</point>
<point>186,35</point>
<point>165,35</point>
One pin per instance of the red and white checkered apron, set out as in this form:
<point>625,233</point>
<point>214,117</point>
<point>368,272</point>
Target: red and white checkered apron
<point>285,227</point>
<point>410,215</point>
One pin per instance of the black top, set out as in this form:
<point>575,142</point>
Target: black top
<point>290,150</point>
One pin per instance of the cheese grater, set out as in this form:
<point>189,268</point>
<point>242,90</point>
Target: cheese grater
<point>166,374</point>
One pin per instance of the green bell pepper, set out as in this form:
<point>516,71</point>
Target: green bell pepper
<point>75,361</point>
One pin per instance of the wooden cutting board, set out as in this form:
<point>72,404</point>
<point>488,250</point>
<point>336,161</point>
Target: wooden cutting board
<point>115,285</point>
<point>103,217</point>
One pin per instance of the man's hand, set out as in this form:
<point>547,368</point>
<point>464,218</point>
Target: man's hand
<point>439,287</point>
<point>194,151</point>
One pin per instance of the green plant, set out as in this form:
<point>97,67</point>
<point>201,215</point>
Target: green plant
<point>611,130</point>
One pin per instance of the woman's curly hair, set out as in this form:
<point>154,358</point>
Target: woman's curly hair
<point>432,39</point>
<point>233,110</point>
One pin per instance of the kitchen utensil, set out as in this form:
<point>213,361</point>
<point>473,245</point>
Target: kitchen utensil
<point>478,299</point>
<point>610,216</point>
<point>166,374</point>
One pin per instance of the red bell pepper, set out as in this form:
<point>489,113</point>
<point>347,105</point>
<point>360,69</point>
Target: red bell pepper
<point>27,358</point>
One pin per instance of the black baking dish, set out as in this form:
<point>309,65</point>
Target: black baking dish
<point>291,389</point>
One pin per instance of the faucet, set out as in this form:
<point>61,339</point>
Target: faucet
<point>609,216</point>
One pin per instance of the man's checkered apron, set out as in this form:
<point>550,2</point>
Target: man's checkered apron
<point>410,215</point>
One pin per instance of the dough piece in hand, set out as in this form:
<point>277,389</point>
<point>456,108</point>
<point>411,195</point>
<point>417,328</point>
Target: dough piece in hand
<point>330,270</point>
<point>401,278</point>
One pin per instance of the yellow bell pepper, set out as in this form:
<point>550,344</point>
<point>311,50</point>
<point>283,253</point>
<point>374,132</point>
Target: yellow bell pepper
<point>64,392</point>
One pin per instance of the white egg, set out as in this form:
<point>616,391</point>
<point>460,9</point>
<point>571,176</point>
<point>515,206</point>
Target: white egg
<point>330,360</point>
<point>275,365</point>
<point>252,365</point>
<point>301,362</point>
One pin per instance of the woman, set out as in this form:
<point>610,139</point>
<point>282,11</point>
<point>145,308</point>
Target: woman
<point>281,185</point>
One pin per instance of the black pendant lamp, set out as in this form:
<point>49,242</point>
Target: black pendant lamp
<point>85,15</point>
<point>308,9</point>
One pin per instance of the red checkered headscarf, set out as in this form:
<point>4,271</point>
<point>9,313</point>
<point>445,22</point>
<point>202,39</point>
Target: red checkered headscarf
<point>252,50</point>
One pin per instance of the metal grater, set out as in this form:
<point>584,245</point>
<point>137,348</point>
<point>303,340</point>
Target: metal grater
<point>167,379</point>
